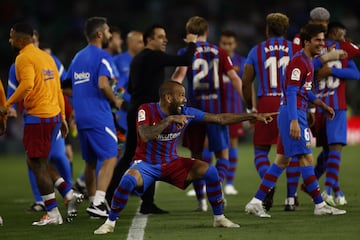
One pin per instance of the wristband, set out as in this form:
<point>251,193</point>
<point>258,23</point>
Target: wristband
<point>253,110</point>
<point>312,110</point>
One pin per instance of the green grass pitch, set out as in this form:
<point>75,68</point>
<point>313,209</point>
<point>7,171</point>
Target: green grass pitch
<point>183,222</point>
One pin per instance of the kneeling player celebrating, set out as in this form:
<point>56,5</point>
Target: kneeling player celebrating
<point>159,127</point>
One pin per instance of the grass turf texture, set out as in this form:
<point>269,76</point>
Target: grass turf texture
<point>182,222</point>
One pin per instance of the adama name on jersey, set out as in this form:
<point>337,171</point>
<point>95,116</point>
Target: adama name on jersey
<point>276,48</point>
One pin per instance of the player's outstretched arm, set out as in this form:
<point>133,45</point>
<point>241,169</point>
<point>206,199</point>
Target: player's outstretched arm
<point>230,118</point>
<point>266,117</point>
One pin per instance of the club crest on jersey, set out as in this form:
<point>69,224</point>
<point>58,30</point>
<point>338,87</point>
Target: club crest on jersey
<point>295,74</point>
<point>141,115</point>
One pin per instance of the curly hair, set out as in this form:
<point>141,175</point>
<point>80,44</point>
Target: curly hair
<point>277,24</point>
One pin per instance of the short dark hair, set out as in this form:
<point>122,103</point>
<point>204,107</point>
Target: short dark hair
<point>92,26</point>
<point>115,29</point>
<point>228,33</point>
<point>150,32</point>
<point>310,30</point>
<point>333,25</point>
<point>23,28</point>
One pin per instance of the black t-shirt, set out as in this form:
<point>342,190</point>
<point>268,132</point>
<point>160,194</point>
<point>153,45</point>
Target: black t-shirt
<point>147,73</point>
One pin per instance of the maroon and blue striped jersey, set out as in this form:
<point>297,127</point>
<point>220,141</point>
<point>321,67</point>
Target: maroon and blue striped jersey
<point>233,99</point>
<point>205,85</point>
<point>300,73</point>
<point>331,89</point>
<point>269,59</point>
<point>350,48</point>
<point>162,149</point>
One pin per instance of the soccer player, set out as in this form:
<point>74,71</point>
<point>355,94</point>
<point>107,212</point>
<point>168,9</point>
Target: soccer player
<point>2,103</point>
<point>331,135</point>
<point>159,127</point>
<point>91,72</point>
<point>59,163</point>
<point>39,90</point>
<point>228,42</point>
<point>293,126</point>
<point>147,73</point>
<point>113,47</point>
<point>135,44</point>
<point>206,91</point>
<point>320,15</point>
<point>267,62</point>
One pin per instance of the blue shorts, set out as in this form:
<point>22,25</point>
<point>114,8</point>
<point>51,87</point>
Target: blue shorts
<point>291,146</point>
<point>336,129</point>
<point>218,137</point>
<point>98,144</point>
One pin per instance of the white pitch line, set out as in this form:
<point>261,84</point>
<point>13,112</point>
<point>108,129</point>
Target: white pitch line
<point>138,225</point>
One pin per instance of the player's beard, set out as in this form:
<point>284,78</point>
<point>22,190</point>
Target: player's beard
<point>105,44</point>
<point>174,109</point>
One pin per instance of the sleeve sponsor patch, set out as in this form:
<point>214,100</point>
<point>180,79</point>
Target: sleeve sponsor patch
<point>141,115</point>
<point>295,74</point>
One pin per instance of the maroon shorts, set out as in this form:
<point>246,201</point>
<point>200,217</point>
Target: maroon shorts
<point>37,138</point>
<point>236,130</point>
<point>280,146</point>
<point>176,172</point>
<point>319,129</point>
<point>266,134</point>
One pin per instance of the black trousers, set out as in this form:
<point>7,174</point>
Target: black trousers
<point>124,163</point>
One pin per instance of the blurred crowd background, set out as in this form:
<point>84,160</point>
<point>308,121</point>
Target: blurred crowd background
<point>60,24</point>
